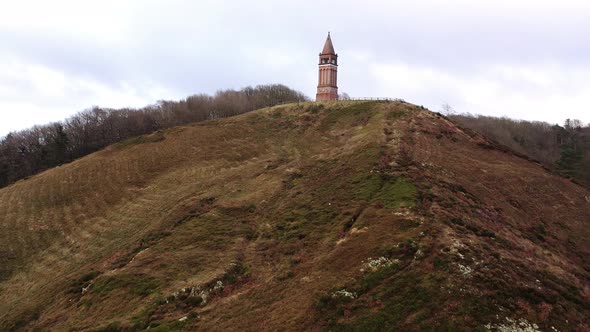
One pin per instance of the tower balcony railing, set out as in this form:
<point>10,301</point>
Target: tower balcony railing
<point>353,99</point>
<point>371,98</point>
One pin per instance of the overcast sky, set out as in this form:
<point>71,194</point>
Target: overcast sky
<point>523,59</point>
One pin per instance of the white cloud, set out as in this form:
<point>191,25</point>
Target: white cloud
<point>524,59</point>
<point>35,94</point>
<point>545,93</point>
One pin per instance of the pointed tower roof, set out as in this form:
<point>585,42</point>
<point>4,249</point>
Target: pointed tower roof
<point>328,47</point>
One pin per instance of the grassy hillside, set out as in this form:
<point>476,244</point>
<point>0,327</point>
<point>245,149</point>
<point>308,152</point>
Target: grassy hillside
<point>337,216</point>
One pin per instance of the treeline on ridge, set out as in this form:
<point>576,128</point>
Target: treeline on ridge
<point>33,150</point>
<point>565,148</point>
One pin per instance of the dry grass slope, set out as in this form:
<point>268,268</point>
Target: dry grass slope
<point>335,216</point>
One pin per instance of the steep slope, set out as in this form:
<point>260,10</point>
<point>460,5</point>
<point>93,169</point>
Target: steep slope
<point>337,216</point>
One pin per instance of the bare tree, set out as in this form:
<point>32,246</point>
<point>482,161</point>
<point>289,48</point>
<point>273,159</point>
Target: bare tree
<point>343,96</point>
<point>447,109</point>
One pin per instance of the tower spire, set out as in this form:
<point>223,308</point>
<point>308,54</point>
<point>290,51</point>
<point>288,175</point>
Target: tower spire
<point>328,46</point>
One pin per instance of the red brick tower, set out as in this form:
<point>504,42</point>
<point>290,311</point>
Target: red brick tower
<point>327,87</point>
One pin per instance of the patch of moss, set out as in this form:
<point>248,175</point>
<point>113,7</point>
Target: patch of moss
<point>111,327</point>
<point>141,320</point>
<point>355,114</point>
<point>140,285</point>
<point>380,321</point>
<point>398,193</point>
<point>284,275</point>
<point>394,115</point>
<point>237,211</point>
<point>291,180</point>
<point>303,220</point>
<point>22,320</point>
<point>314,108</point>
<point>238,272</point>
<point>146,242</point>
<point>393,314</point>
<point>83,281</point>
<point>372,279</point>
<point>152,138</point>
<point>169,326</point>
<point>401,295</point>
<point>441,264</point>
<point>368,186</point>
<point>392,192</point>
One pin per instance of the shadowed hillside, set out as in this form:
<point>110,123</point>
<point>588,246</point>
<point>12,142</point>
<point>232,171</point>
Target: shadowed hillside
<point>340,216</point>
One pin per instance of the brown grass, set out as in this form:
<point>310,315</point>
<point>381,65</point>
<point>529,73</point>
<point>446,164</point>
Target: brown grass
<point>283,205</point>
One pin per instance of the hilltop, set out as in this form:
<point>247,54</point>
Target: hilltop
<point>309,216</point>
